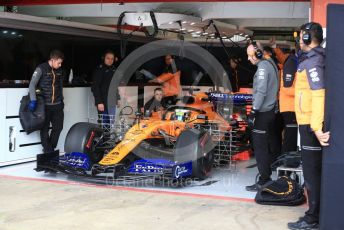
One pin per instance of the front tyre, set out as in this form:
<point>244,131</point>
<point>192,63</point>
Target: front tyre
<point>196,146</point>
<point>84,137</point>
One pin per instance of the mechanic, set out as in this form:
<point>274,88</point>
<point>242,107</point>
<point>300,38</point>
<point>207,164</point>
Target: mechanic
<point>102,77</point>
<point>155,104</point>
<point>233,73</point>
<point>287,96</point>
<point>170,81</point>
<point>309,109</point>
<point>48,78</point>
<point>277,126</point>
<point>262,116</point>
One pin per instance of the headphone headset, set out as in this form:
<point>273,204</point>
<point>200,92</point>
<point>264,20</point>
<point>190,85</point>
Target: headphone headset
<point>306,36</point>
<point>258,52</point>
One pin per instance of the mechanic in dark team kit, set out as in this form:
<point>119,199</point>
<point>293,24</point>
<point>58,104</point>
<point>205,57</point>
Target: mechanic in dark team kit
<point>48,79</point>
<point>156,103</point>
<point>262,117</point>
<point>102,77</point>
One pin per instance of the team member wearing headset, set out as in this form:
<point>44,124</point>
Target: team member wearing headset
<point>262,117</point>
<point>309,109</point>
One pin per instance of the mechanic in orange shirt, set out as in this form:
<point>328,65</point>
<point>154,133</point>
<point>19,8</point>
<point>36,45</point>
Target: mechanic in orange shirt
<point>309,109</point>
<point>287,96</point>
<point>170,80</point>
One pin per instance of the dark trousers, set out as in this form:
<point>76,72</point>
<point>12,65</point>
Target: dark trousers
<point>311,156</point>
<point>54,116</point>
<point>263,139</point>
<point>289,143</point>
<point>276,136</point>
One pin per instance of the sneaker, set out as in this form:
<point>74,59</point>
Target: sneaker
<point>255,187</point>
<point>252,188</point>
<point>302,224</point>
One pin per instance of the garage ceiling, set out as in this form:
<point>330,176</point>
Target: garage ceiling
<point>264,19</point>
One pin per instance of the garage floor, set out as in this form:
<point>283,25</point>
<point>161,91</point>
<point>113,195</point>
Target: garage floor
<point>31,200</point>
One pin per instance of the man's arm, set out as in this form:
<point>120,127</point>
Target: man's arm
<point>36,76</point>
<point>164,77</point>
<point>97,80</point>
<point>261,87</point>
<point>281,57</point>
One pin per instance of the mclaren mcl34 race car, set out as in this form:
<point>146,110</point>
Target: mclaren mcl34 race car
<point>176,143</point>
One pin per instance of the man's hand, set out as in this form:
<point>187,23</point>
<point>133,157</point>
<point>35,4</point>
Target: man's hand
<point>32,106</point>
<point>251,119</point>
<point>272,42</point>
<point>100,107</point>
<point>323,138</point>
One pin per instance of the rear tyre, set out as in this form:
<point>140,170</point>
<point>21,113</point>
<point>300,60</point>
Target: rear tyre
<point>84,137</point>
<point>196,146</point>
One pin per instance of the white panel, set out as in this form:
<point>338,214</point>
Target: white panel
<point>129,96</point>
<point>3,136</point>
<point>10,99</point>
<point>20,138</point>
<point>14,96</point>
<point>79,106</point>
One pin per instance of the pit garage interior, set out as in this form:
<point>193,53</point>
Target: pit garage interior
<point>141,33</point>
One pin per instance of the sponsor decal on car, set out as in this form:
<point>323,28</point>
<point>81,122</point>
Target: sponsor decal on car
<point>182,170</point>
<point>236,98</point>
<point>153,166</point>
<point>76,160</point>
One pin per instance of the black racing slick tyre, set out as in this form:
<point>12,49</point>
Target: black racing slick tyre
<point>83,137</point>
<point>196,146</point>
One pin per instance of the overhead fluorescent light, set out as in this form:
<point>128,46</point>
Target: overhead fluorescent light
<point>192,23</point>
